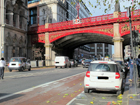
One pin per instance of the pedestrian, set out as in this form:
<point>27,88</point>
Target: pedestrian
<point>2,67</point>
<point>131,68</point>
<point>138,65</point>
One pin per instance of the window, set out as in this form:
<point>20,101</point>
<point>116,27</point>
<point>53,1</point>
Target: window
<point>100,67</point>
<point>33,15</point>
<point>92,48</point>
<point>43,11</point>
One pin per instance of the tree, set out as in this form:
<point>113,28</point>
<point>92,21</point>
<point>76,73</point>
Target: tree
<point>108,4</point>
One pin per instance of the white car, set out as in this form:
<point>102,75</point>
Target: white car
<point>19,63</point>
<point>104,76</point>
<point>62,61</point>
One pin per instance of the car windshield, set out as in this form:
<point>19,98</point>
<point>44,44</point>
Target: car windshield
<point>101,67</point>
<point>15,60</point>
<point>87,60</point>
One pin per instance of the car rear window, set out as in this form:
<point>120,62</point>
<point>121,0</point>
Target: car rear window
<point>15,60</point>
<point>102,67</point>
<point>59,59</point>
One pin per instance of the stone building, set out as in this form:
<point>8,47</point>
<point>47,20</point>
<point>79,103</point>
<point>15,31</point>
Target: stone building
<point>13,28</point>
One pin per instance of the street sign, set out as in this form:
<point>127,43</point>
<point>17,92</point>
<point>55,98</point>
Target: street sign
<point>2,51</point>
<point>82,55</point>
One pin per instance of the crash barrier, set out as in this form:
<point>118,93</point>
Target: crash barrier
<point>41,63</point>
<point>34,63</point>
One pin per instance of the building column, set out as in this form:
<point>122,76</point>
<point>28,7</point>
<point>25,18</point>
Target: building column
<point>118,49</point>
<point>95,48</point>
<point>103,49</point>
<point>48,54</point>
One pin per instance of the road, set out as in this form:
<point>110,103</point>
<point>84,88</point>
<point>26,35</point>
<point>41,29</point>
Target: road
<point>49,86</point>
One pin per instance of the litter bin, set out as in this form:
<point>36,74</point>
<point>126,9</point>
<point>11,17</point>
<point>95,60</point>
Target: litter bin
<point>34,63</point>
<point>40,63</point>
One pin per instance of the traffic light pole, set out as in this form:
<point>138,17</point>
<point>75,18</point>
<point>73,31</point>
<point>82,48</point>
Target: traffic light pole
<point>134,63</point>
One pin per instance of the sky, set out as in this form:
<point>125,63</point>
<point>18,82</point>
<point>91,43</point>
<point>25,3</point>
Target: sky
<point>99,10</point>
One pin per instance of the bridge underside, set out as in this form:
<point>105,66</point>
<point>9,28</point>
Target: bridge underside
<point>76,40</point>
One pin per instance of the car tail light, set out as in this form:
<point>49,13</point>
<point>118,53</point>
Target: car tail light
<point>116,86</point>
<point>87,84</point>
<point>64,61</point>
<point>8,64</point>
<point>117,75</point>
<point>88,74</point>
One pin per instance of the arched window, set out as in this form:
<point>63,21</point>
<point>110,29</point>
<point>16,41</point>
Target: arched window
<point>7,14</point>
<point>20,19</point>
<point>14,18</point>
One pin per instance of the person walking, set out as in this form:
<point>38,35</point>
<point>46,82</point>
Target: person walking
<point>2,67</point>
<point>138,65</point>
<point>131,68</point>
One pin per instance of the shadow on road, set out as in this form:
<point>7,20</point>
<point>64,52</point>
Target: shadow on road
<point>9,98</point>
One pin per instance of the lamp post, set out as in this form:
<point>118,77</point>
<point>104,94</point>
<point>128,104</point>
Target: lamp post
<point>131,43</point>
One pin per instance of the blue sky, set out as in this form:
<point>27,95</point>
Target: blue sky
<point>100,9</point>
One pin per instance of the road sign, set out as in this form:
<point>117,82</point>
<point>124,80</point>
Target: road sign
<point>82,55</point>
<point>2,51</point>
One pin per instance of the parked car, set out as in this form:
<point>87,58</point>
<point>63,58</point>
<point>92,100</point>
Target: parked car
<point>86,63</point>
<point>62,61</point>
<point>104,75</point>
<point>19,63</point>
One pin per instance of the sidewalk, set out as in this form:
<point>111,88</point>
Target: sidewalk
<point>134,98</point>
<point>130,97</point>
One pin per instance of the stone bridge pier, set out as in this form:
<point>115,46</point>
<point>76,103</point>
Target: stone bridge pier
<point>118,40</point>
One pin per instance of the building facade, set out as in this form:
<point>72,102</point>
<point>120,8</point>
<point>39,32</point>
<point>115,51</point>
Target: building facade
<point>13,28</point>
<point>82,52</point>
<point>50,11</point>
<point>100,50</point>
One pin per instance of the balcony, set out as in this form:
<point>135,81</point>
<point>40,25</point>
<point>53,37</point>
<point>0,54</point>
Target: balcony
<point>32,1</point>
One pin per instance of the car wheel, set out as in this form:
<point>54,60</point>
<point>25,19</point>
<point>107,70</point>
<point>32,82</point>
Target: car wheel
<point>29,69</point>
<point>119,92</point>
<point>86,90</point>
<point>21,69</point>
<point>10,70</point>
<point>55,66</point>
<point>70,66</point>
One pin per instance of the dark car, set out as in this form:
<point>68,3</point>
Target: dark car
<point>86,63</point>
<point>124,66</point>
<point>73,62</point>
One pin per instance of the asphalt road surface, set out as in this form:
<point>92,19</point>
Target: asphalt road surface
<point>50,86</point>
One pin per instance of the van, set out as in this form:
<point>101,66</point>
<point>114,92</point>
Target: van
<point>19,63</point>
<point>62,62</point>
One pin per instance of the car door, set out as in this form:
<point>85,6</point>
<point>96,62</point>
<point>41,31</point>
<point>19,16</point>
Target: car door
<point>28,64</point>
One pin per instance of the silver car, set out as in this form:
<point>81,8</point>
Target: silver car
<point>104,76</point>
<point>19,63</point>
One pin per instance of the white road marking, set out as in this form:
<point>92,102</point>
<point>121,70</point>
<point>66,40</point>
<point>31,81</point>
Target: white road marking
<point>42,85</point>
<point>73,99</point>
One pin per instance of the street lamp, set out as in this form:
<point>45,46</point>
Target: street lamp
<point>131,43</point>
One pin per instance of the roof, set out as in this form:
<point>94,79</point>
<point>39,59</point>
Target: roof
<point>100,61</point>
